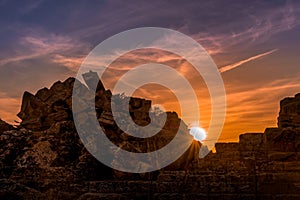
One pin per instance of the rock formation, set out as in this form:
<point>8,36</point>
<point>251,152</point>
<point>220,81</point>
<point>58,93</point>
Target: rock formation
<point>289,115</point>
<point>44,158</point>
<point>5,126</point>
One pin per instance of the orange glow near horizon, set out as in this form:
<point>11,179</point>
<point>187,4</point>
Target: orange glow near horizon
<point>237,110</point>
<point>249,109</point>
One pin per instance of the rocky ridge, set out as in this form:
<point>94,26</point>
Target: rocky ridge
<point>44,158</point>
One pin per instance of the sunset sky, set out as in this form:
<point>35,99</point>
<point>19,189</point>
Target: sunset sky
<point>255,44</point>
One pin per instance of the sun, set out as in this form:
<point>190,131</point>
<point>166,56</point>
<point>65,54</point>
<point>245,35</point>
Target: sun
<point>198,133</point>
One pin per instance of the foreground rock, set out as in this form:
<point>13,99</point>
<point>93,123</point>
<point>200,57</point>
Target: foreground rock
<point>45,159</point>
<point>5,126</point>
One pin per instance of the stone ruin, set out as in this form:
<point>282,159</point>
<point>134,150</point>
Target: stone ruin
<point>44,158</point>
<point>289,115</point>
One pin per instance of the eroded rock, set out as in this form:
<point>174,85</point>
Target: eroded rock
<point>45,158</point>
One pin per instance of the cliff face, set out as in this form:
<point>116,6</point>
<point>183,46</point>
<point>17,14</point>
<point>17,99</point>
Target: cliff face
<point>44,157</point>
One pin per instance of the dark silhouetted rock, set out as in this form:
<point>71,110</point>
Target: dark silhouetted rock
<point>44,158</point>
<point>33,112</point>
<point>289,115</point>
<point>92,80</point>
<point>5,126</point>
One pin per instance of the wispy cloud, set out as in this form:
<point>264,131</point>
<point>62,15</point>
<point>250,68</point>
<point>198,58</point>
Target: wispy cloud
<point>71,62</point>
<point>217,34</point>
<point>62,49</point>
<point>256,108</point>
<point>225,31</point>
<point>239,63</point>
<point>257,28</point>
<point>31,6</point>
